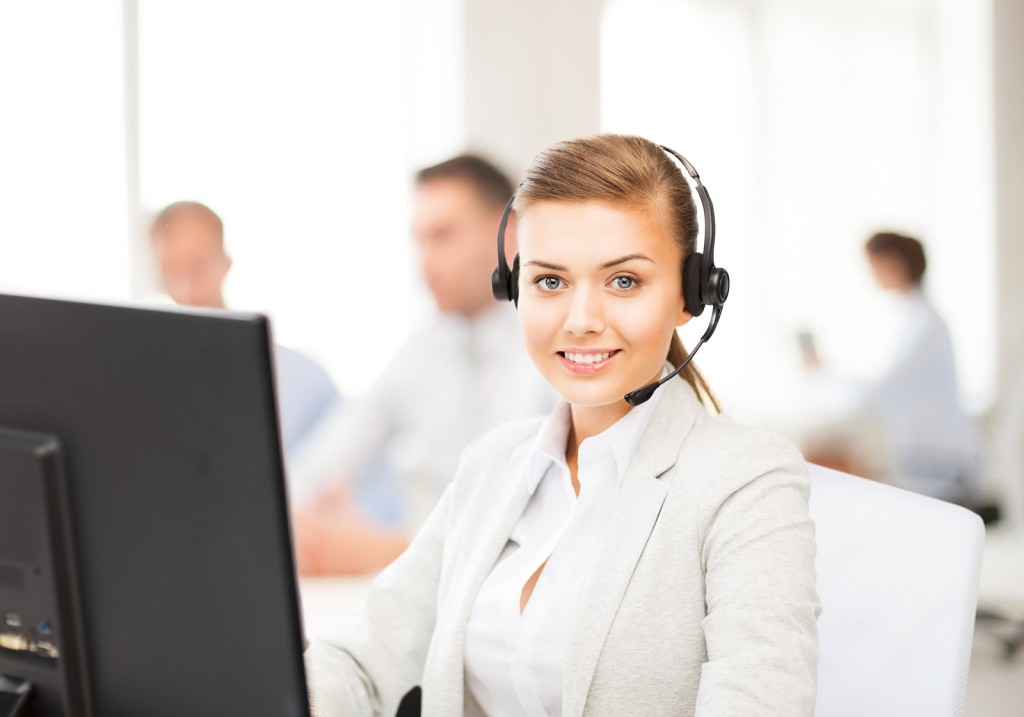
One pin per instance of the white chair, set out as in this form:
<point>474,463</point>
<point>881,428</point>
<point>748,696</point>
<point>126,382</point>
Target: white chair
<point>898,581</point>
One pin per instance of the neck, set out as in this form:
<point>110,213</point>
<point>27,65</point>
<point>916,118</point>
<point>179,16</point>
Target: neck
<point>588,421</point>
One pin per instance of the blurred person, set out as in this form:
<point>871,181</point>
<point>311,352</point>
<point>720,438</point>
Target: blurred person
<point>911,411</point>
<point>463,373</point>
<point>188,243</point>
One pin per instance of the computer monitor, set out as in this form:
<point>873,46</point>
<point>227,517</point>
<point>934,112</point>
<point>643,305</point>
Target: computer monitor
<point>162,433</point>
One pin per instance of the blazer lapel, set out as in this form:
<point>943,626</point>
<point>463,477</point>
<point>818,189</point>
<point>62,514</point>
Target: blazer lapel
<point>633,517</point>
<point>484,539</point>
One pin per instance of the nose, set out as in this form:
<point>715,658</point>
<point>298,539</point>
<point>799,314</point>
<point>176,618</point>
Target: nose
<point>586,313</point>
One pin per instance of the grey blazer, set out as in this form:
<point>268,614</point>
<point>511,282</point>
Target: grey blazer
<point>701,601</point>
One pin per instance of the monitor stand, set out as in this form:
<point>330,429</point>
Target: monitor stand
<point>42,656</point>
<point>15,697</point>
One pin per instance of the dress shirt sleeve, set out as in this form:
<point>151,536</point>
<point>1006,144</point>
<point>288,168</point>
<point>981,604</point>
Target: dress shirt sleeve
<point>367,664</point>
<point>762,604</point>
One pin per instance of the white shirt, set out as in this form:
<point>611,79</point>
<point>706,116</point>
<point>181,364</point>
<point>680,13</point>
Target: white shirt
<point>926,433</point>
<point>513,660</point>
<point>449,383</point>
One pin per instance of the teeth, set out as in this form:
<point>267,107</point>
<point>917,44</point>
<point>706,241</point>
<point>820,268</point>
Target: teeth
<point>587,358</point>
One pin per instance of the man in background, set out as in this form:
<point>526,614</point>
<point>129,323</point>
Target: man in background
<point>188,243</point>
<point>460,375</point>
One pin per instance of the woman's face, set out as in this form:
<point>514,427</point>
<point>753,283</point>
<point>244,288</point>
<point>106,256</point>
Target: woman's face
<point>599,297</point>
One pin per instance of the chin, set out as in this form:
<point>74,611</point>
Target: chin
<point>588,393</point>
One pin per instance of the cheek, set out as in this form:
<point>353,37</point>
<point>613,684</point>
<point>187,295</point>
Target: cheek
<point>539,325</point>
<point>647,323</point>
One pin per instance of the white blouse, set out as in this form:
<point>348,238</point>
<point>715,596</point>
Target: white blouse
<point>513,661</point>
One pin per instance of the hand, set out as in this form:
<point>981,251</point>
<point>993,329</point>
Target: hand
<point>334,537</point>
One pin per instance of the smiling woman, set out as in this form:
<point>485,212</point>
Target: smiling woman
<point>612,558</point>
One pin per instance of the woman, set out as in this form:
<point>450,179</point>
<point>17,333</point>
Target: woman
<point>608,559</point>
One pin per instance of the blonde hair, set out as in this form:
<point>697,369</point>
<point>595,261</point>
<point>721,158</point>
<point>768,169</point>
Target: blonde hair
<point>626,171</point>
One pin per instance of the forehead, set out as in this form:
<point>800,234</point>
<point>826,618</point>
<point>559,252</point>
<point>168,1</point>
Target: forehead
<point>188,234</point>
<point>594,230</point>
<point>444,196</point>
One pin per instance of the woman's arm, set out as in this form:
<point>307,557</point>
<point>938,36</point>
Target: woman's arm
<point>762,604</point>
<point>366,665</point>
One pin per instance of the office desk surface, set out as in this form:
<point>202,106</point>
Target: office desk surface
<point>328,600</point>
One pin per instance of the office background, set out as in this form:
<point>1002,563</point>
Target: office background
<point>812,123</point>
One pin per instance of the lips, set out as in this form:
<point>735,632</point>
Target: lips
<point>587,362</point>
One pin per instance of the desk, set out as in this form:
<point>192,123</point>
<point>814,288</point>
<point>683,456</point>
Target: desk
<point>328,600</point>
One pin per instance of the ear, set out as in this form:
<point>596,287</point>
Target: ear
<point>225,266</point>
<point>682,316</point>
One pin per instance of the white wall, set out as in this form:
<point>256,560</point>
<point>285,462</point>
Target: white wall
<point>63,221</point>
<point>531,75</point>
<point>1008,27</point>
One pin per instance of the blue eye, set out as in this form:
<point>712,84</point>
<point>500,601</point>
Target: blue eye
<point>549,283</point>
<point>624,282</point>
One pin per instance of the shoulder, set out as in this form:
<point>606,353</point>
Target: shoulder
<point>746,443</point>
<point>492,455</point>
<point>503,440</point>
<point>729,455</point>
<point>297,369</point>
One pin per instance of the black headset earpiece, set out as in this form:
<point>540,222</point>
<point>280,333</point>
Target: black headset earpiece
<point>704,284</point>
<point>692,282</point>
<point>505,281</point>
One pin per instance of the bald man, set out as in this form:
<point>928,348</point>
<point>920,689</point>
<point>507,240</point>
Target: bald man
<point>188,243</point>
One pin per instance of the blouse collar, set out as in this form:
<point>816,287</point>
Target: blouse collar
<point>621,438</point>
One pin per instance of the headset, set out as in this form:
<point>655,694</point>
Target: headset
<point>704,284</point>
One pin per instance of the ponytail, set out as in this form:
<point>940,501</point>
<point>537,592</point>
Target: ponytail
<point>677,353</point>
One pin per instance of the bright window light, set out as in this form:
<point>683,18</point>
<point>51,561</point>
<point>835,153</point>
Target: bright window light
<point>814,125</point>
<point>288,120</point>
<point>63,193</point>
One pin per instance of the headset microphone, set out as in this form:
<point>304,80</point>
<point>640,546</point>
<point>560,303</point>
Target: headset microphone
<point>704,284</point>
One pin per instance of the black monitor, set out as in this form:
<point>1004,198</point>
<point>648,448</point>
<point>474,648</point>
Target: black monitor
<point>145,556</point>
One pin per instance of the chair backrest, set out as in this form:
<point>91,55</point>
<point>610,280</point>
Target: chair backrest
<point>898,580</point>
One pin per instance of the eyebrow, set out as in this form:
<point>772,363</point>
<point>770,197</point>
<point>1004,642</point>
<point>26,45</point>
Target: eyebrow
<point>624,259</point>
<point>546,265</point>
<point>606,265</point>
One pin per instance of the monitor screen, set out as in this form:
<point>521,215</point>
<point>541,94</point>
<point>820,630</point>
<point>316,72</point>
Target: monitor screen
<point>167,429</point>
